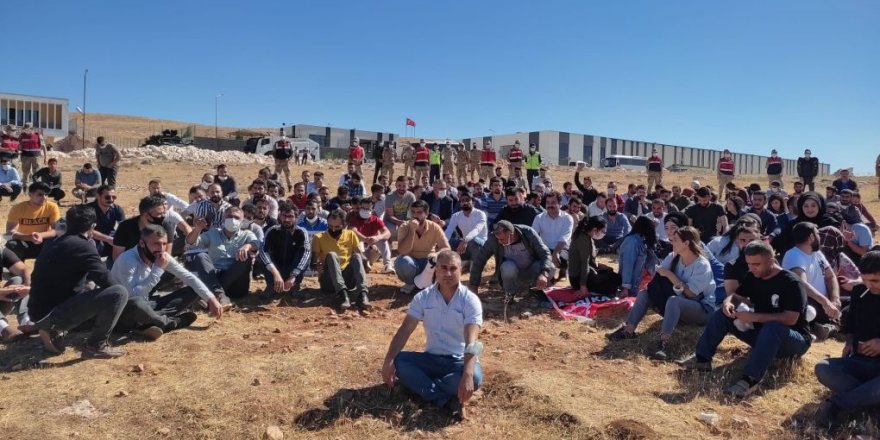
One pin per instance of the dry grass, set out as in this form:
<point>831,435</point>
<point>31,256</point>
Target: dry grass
<point>122,126</point>
<point>315,374</point>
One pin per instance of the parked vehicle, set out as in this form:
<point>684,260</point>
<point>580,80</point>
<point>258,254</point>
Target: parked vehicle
<point>638,163</point>
<point>264,144</point>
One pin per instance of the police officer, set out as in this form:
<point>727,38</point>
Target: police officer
<point>533,164</point>
<point>774,167</point>
<point>655,170</point>
<point>514,158</point>
<point>435,158</point>
<point>282,152</point>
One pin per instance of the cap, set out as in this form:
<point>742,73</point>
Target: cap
<point>776,183</point>
<point>533,144</point>
<point>773,151</point>
<point>517,142</point>
<point>355,139</point>
<point>695,184</point>
<point>503,225</point>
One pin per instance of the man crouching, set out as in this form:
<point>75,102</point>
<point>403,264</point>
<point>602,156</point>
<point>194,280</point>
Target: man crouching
<point>448,372</point>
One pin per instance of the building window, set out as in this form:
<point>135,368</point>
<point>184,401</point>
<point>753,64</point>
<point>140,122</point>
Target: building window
<point>319,138</point>
<point>563,153</point>
<point>59,119</point>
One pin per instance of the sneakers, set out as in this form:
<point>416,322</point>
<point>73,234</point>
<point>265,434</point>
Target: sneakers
<point>823,331</point>
<point>407,289</point>
<point>741,388</point>
<point>692,363</point>
<point>388,269</point>
<point>101,351</point>
<point>620,334</point>
<point>659,351</point>
<point>53,341</point>
<point>152,332</point>
<point>456,409</point>
<point>826,414</point>
<point>180,321</point>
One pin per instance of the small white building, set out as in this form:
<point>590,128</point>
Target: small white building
<point>47,114</point>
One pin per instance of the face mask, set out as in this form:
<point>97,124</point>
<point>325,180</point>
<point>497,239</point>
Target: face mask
<point>599,235</point>
<point>441,194</point>
<point>773,155</point>
<point>335,233</point>
<point>246,224</point>
<point>231,224</point>
<point>157,220</point>
<point>222,178</point>
<point>216,199</point>
<point>365,213</point>
<point>5,167</point>
<point>611,191</point>
<point>806,154</point>
<point>151,257</point>
<point>205,185</point>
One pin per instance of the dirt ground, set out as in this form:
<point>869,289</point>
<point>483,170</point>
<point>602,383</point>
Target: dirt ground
<point>312,373</point>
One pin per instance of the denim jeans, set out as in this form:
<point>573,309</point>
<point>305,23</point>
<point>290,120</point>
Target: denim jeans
<point>143,312</point>
<point>408,268</point>
<point>19,306</point>
<point>105,305</point>
<point>434,377</point>
<point>768,341</point>
<point>677,309</point>
<point>473,247</point>
<point>854,381</point>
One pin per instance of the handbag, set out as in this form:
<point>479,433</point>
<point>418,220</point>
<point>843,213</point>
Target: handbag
<point>660,289</point>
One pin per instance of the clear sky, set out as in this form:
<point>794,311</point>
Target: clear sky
<point>748,75</point>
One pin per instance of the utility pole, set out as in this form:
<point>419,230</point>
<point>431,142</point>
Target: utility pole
<point>85,77</point>
<point>216,135</point>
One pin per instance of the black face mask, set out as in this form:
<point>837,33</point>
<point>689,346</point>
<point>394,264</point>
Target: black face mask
<point>335,233</point>
<point>157,220</point>
<point>146,253</point>
<point>216,199</point>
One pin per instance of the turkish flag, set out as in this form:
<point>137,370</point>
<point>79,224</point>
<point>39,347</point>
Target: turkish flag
<point>410,122</point>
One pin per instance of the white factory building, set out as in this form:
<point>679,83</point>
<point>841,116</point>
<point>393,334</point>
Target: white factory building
<point>563,148</point>
<point>47,114</point>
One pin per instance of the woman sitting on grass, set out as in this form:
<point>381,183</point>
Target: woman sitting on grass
<point>690,274</point>
<point>582,252</point>
<point>635,254</point>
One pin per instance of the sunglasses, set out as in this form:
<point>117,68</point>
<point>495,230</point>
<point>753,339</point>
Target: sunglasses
<point>109,197</point>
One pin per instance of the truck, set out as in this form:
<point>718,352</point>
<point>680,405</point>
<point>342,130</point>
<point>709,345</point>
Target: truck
<point>264,145</point>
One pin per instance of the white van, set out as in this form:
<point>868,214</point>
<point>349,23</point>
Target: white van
<point>619,162</point>
<point>263,145</point>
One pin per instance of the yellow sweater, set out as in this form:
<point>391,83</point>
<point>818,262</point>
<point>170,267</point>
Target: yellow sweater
<point>411,244</point>
<point>345,246</point>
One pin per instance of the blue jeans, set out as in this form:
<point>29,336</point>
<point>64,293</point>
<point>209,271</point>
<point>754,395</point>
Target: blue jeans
<point>473,247</point>
<point>408,268</point>
<point>771,340</point>
<point>515,280</point>
<point>854,381</point>
<point>434,377</point>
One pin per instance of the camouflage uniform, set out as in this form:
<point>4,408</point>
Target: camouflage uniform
<point>474,163</point>
<point>462,160</point>
<point>408,156</point>
<point>388,158</point>
<point>448,157</point>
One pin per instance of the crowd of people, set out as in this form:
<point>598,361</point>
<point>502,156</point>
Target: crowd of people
<point>777,270</point>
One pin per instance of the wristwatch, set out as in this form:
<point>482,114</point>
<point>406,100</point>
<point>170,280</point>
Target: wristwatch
<point>474,348</point>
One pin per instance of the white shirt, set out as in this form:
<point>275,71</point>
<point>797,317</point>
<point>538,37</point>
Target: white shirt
<point>471,226</point>
<point>594,210</point>
<point>554,230</point>
<point>813,265</point>
<point>444,323</point>
<point>175,202</point>
<point>139,279</point>
<point>659,226</point>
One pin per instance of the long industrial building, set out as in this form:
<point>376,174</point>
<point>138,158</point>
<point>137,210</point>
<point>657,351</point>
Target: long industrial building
<point>47,114</point>
<point>563,148</point>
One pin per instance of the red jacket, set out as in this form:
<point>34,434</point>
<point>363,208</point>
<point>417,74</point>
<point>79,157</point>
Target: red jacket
<point>655,163</point>
<point>515,155</point>
<point>487,157</point>
<point>726,166</point>
<point>356,153</point>
<point>423,155</point>
<point>10,142</point>
<point>30,142</point>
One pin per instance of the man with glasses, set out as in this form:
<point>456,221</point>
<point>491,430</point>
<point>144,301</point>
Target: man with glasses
<point>109,216</point>
<point>31,222</point>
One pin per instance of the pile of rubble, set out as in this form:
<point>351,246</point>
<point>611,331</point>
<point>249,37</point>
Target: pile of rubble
<point>152,153</point>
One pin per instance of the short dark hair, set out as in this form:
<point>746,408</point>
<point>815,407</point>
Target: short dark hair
<point>802,232</point>
<point>100,139</point>
<point>250,208</point>
<point>104,188</point>
<point>400,178</point>
<point>758,247</point>
<point>355,176</point>
<point>286,206</point>
<point>149,202</point>
<point>510,191</point>
<point>377,187</point>
<point>38,186</point>
<point>365,200</point>
<point>150,230</point>
<point>870,262</point>
<point>80,218</point>
<point>337,214</point>
<point>421,204</point>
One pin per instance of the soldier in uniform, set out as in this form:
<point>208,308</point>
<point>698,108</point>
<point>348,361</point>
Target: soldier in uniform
<point>408,156</point>
<point>514,158</point>
<point>462,159</point>
<point>388,158</point>
<point>422,162</point>
<point>487,161</point>
<point>448,158</point>
<point>474,162</point>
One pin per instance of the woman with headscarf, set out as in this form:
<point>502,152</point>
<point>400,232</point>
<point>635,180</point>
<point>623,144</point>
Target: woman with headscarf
<point>832,244</point>
<point>810,208</point>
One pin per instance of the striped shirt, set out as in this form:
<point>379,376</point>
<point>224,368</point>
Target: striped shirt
<point>207,210</point>
<point>492,206</point>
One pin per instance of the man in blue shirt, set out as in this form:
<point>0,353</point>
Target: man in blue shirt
<point>495,201</point>
<point>10,181</point>
<point>448,372</point>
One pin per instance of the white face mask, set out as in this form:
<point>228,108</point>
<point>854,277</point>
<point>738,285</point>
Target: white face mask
<point>205,185</point>
<point>222,178</point>
<point>312,221</point>
<point>5,167</point>
<point>599,235</point>
<point>246,224</point>
<point>365,213</point>
<point>231,224</point>
<point>441,194</point>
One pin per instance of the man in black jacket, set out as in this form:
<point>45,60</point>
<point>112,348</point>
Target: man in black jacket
<point>285,253</point>
<point>58,304</point>
<point>808,169</point>
<point>589,193</point>
<point>517,211</point>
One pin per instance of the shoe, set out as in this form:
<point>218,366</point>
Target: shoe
<point>180,321</point>
<point>692,363</point>
<point>152,332</point>
<point>407,289</point>
<point>267,296</point>
<point>346,303</point>
<point>741,388</point>
<point>826,414</point>
<point>388,269</point>
<point>53,341</point>
<point>365,301</point>
<point>28,329</point>
<point>659,351</point>
<point>10,334</point>
<point>224,300</point>
<point>102,351</point>
<point>620,334</point>
<point>823,331</point>
<point>456,409</point>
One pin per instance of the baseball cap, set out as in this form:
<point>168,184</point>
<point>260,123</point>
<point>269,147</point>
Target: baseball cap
<point>503,225</point>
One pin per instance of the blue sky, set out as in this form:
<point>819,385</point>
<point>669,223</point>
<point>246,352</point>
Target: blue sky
<point>748,75</point>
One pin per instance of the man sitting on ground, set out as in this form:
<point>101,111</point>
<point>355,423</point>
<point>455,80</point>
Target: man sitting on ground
<point>50,176</point>
<point>225,267</point>
<point>372,233</point>
<point>441,205</point>
<point>13,295</point>
<point>213,209</point>
<point>109,216</point>
<point>152,210</point>
<point>854,377</point>
<point>285,254</point>
<point>517,211</point>
<point>809,264</point>
<point>258,193</point>
<point>86,182</point>
<point>10,180</point>
<point>55,303</point>
<point>521,259</point>
<point>468,228</point>
<point>31,222</point>
<point>397,205</point>
<point>780,328</point>
<point>139,269</point>
<point>340,263</point>
<point>448,372</point>
<point>555,227</point>
<point>311,221</point>
<point>154,186</point>
<point>417,240</point>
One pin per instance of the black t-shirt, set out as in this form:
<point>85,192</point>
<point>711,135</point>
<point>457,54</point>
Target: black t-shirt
<point>782,292</point>
<point>736,270</point>
<point>705,218</point>
<point>128,234</point>
<point>860,318</point>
